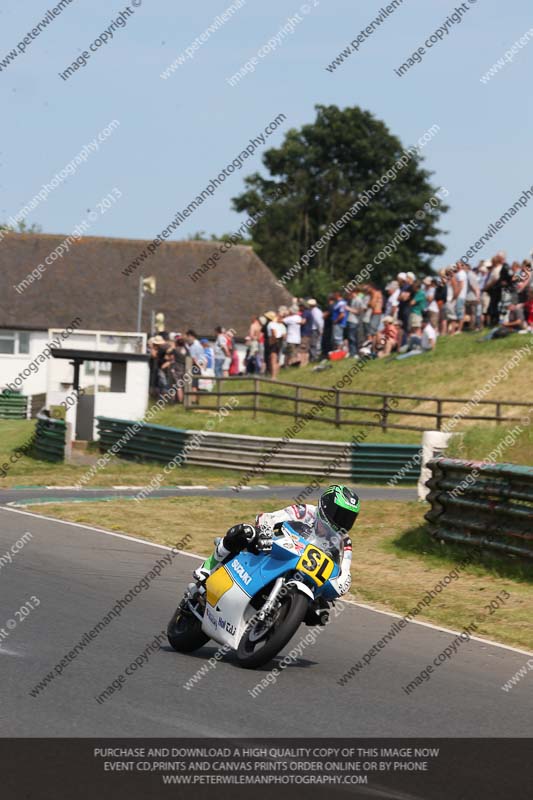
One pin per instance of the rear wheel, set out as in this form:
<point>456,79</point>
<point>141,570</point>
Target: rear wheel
<point>184,631</point>
<point>264,639</point>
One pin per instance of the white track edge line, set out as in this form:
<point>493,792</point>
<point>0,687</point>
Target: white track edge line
<point>202,558</point>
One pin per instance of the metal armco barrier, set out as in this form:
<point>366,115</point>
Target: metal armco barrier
<point>13,406</point>
<point>49,439</point>
<point>482,504</point>
<point>362,462</point>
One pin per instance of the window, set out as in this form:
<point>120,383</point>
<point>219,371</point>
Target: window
<point>24,341</point>
<point>104,368</point>
<point>14,342</point>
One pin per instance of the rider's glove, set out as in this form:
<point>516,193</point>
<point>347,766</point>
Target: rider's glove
<point>201,574</point>
<point>246,536</point>
<point>238,537</point>
<point>262,542</point>
<point>342,583</point>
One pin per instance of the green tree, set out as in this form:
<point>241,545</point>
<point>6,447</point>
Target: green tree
<point>22,227</point>
<point>320,172</point>
<point>201,236</point>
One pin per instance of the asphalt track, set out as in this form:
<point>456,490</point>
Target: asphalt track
<point>48,493</point>
<point>78,573</point>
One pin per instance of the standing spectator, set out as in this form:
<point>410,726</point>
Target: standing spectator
<point>472,300</point>
<point>393,299</point>
<point>460,297</point>
<point>375,304</point>
<point>265,343</point>
<point>494,288</point>
<point>155,362</point>
<point>252,364</point>
<point>441,291</point>
<point>221,351</point>
<point>432,306</point>
<point>235,364</point>
<point>452,292</point>
<point>404,302</point>
<point>355,309</point>
<point>275,333</point>
<point>528,309</point>
<point>318,328</point>
<point>255,329</point>
<point>293,321</point>
<point>208,354</point>
<point>179,367</point>
<point>306,333</point>
<point>339,318</point>
<point>366,313</point>
<point>418,306</point>
<point>166,369</point>
<point>230,344</point>
<point>196,353</point>
<point>483,274</point>
<point>327,335</point>
<point>524,281</point>
<point>208,367</point>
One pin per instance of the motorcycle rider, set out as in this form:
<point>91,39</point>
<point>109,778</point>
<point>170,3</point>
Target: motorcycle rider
<point>337,509</point>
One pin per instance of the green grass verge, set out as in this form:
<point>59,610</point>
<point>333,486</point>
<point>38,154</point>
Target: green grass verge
<point>395,561</point>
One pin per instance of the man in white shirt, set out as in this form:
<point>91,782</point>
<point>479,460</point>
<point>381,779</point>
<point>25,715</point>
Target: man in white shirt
<point>293,322</point>
<point>460,299</point>
<point>275,332</point>
<point>318,328</point>
<point>432,305</point>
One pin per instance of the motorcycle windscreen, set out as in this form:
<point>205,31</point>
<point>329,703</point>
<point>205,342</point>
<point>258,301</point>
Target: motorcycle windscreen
<point>226,603</point>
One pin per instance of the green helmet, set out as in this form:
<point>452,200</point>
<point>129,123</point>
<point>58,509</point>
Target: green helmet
<point>339,506</point>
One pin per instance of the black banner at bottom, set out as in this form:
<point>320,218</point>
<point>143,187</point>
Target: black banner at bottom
<point>410,769</point>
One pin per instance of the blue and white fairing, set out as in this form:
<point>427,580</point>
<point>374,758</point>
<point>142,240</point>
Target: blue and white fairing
<point>231,587</point>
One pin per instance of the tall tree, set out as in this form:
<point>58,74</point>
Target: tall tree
<point>316,176</point>
<point>22,227</point>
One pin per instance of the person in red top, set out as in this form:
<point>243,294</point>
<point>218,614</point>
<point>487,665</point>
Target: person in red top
<point>528,309</point>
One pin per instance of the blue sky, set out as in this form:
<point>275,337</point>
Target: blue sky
<point>176,134</point>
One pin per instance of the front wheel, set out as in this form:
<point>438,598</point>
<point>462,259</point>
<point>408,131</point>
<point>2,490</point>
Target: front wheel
<point>264,639</point>
<point>184,631</point>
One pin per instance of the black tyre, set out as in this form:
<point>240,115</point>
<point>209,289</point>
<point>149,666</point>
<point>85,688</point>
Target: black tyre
<point>261,642</point>
<point>184,632</point>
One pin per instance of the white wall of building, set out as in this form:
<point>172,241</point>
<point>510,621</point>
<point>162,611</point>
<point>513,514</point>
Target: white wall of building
<point>131,404</point>
<point>12,366</point>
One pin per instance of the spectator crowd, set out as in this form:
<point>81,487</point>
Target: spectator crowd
<point>405,318</point>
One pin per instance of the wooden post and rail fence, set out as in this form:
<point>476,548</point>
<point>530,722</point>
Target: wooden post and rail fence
<point>342,404</point>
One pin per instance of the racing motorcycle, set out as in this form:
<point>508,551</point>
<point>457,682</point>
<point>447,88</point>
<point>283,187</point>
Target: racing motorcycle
<point>254,604</point>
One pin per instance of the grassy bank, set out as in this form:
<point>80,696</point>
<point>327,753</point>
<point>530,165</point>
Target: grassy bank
<point>395,562</point>
<point>460,366</point>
